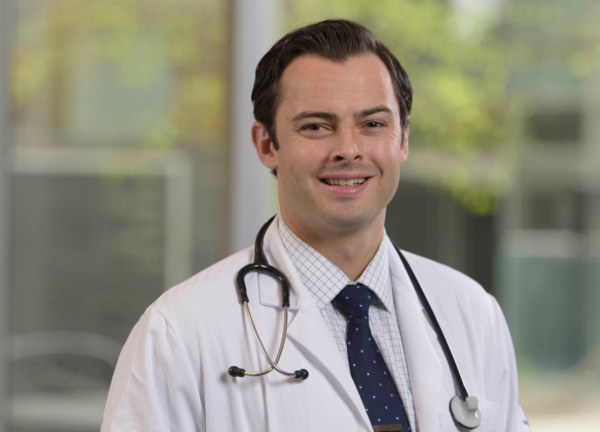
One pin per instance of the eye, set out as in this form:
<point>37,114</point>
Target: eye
<point>313,127</point>
<point>374,124</point>
<point>315,130</point>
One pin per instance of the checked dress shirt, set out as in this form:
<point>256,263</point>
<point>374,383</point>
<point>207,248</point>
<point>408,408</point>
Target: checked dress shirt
<point>325,281</point>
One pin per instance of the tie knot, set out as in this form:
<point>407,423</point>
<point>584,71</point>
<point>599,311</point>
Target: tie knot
<point>355,300</point>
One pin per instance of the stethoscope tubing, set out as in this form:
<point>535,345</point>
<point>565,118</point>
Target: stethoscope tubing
<point>462,390</point>
<point>264,350</point>
<point>261,265</point>
<point>462,407</point>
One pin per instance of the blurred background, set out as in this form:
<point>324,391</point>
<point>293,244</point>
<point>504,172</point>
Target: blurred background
<point>126,167</point>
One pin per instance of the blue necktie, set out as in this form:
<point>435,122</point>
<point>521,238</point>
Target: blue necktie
<point>371,376</point>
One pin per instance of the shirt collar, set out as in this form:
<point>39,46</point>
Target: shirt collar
<point>324,280</point>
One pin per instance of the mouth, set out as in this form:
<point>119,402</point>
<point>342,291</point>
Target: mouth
<point>344,182</point>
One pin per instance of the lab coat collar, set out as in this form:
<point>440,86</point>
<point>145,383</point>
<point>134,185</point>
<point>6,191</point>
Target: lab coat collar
<point>424,366</point>
<point>306,327</point>
<point>278,258</point>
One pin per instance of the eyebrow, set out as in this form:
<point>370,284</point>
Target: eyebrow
<point>371,111</point>
<point>331,116</point>
<point>315,114</point>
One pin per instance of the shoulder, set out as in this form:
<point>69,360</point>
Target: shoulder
<point>460,303</point>
<point>454,279</point>
<point>444,285</point>
<point>204,293</point>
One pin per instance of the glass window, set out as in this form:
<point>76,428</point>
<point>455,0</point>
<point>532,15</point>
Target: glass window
<point>118,186</point>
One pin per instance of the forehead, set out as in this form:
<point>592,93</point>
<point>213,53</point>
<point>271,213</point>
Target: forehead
<point>315,83</point>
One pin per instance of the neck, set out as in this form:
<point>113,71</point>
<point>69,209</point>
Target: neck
<point>350,250</point>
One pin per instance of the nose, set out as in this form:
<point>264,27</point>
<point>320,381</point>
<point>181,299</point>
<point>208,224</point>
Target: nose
<point>346,147</point>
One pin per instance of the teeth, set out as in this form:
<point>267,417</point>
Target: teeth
<point>345,182</point>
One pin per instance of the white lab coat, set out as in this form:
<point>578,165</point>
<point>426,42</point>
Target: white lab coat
<point>172,372</point>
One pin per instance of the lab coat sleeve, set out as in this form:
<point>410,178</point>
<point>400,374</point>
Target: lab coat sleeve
<point>510,408</point>
<point>154,387</point>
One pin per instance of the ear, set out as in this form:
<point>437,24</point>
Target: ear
<point>264,146</point>
<point>404,147</point>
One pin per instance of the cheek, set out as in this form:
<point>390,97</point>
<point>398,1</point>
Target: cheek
<point>303,158</point>
<point>389,158</point>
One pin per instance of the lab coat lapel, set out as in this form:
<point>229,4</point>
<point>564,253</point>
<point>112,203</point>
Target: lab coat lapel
<point>306,327</point>
<point>424,367</point>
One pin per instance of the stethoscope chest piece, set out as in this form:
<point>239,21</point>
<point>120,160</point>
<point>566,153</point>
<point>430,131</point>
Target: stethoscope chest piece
<point>465,412</point>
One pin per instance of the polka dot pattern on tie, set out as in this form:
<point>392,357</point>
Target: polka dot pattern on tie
<point>375,386</point>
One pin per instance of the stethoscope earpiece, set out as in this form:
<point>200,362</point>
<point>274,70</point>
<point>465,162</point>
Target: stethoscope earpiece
<point>465,412</point>
<point>301,374</point>
<point>235,371</point>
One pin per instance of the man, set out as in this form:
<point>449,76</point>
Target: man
<point>332,108</point>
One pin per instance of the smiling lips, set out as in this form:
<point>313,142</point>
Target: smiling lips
<point>344,182</point>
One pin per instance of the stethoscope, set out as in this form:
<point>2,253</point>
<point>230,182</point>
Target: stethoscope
<point>464,408</point>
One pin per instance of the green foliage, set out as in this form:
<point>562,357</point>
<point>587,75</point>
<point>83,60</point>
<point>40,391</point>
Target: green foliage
<point>461,109</point>
<point>459,87</point>
<point>461,104</point>
<point>142,42</point>
<point>554,32</point>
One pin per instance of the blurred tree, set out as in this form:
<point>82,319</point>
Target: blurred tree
<point>462,109</point>
<point>140,41</point>
<point>554,33</point>
<point>461,106</point>
<point>459,84</point>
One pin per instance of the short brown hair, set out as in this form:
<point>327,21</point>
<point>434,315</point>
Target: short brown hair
<point>335,40</point>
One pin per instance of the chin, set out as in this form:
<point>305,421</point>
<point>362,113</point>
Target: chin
<point>352,220</point>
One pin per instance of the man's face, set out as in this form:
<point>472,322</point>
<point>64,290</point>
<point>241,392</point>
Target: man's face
<point>339,136</point>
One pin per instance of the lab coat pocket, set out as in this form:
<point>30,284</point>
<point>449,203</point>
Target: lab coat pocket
<point>489,418</point>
